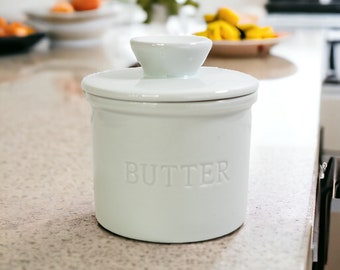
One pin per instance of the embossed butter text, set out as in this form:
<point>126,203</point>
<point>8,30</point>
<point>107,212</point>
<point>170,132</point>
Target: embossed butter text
<point>169,175</point>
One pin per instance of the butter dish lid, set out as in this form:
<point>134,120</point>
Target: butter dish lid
<point>171,72</point>
<point>210,83</point>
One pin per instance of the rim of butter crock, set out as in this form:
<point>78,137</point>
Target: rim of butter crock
<point>130,84</point>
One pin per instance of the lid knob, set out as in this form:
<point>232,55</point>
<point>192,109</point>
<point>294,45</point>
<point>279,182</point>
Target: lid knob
<point>170,55</point>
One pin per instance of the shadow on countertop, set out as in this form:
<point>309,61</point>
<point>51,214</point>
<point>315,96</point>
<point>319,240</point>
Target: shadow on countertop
<point>266,67</point>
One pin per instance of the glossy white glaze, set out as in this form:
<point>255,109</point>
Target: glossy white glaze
<point>171,155</point>
<point>171,172</point>
<point>209,83</point>
<point>171,55</point>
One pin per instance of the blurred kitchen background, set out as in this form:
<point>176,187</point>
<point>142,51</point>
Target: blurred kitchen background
<point>255,6</point>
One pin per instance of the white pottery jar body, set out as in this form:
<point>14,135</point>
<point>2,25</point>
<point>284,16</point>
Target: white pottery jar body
<point>171,172</point>
<point>171,143</point>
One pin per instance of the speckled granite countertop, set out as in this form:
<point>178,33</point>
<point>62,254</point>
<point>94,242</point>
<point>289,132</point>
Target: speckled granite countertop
<point>47,218</point>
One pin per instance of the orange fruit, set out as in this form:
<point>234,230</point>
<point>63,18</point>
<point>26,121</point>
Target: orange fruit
<point>81,5</point>
<point>14,29</point>
<point>3,22</point>
<point>62,7</point>
<point>2,32</point>
<point>18,29</point>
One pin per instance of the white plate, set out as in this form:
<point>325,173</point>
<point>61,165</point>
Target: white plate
<point>250,47</point>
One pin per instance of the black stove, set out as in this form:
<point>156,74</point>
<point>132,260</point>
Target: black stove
<point>303,6</point>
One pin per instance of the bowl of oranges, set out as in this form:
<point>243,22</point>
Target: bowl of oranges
<point>74,22</point>
<point>17,36</point>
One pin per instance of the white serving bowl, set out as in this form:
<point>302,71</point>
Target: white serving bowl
<point>80,27</point>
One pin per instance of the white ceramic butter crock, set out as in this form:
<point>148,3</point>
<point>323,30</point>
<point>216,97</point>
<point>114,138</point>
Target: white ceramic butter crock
<point>171,149</point>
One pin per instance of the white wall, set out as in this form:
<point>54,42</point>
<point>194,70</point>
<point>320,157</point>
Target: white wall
<point>13,9</point>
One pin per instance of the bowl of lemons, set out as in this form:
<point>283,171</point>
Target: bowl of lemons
<point>232,36</point>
